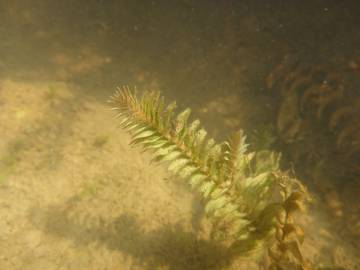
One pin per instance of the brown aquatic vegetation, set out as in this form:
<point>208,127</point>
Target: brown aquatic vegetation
<point>247,198</point>
<point>319,99</point>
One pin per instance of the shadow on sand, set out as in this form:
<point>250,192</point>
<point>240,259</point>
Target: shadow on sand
<point>169,246</point>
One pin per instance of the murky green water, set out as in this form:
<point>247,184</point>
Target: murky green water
<point>74,195</point>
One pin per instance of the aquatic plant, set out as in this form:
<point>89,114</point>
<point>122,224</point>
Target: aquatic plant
<point>318,108</point>
<point>248,199</point>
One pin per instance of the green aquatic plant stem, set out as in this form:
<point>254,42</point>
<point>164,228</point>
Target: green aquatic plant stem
<point>247,198</point>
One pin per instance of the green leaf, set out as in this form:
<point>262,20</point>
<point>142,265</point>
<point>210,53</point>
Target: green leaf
<point>187,170</point>
<point>206,188</point>
<point>230,209</point>
<point>168,115</point>
<point>171,156</point>
<point>212,205</point>
<point>156,143</point>
<point>161,153</point>
<point>177,164</point>
<point>218,192</point>
<point>194,125</point>
<point>143,140</point>
<point>200,137</point>
<point>240,224</point>
<point>197,178</point>
<point>181,120</point>
<point>131,125</point>
<point>143,133</point>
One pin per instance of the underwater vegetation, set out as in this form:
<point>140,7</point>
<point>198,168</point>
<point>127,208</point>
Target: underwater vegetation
<point>319,108</point>
<point>249,201</point>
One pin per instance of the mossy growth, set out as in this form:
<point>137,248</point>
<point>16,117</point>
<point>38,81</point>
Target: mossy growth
<point>247,198</point>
